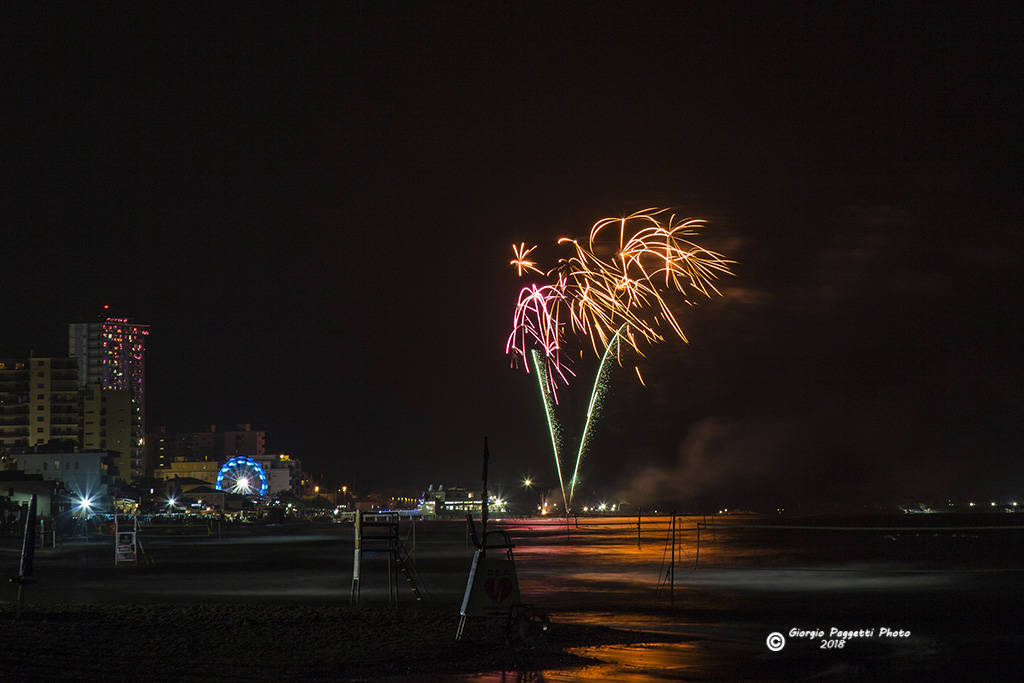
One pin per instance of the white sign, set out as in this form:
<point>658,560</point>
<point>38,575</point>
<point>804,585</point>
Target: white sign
<point>125,548</point>
<point>492,588</point>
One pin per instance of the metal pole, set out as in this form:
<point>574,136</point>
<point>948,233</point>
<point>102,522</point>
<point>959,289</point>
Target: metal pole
<point>483,511</point>
<point>28,553</point>
<point>696,559</point>
<point>356,554</point>
<point>672,566</point>
<point>639,514</point>
<point>392,566</point>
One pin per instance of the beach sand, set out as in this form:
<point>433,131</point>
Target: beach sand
<point>273,603</point>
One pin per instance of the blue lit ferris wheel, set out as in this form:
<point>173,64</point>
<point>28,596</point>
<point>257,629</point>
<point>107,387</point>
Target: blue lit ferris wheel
<point>242,475</point>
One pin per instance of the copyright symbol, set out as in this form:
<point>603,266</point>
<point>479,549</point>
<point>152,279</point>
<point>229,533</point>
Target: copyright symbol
<point>776,641</point>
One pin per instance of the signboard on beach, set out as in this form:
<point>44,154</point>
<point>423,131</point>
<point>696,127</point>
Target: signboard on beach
<point>492,587</point>
<point>125,549</point>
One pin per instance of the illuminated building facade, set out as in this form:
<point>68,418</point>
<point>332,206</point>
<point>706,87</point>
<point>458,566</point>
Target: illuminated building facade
<point>112,354</point>
<point>158,453</point>
<point>107,425</point>
<point>457,502</point>
<point>83,473</point>
<point>283,471</point>
<point>38,402</point>
<point>201,470</point>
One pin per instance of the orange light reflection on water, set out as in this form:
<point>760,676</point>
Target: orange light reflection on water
<point>595,559</point>
<point>636,663</point>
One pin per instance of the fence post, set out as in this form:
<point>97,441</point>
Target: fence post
<point>696,559</point>
<point>672,565</point>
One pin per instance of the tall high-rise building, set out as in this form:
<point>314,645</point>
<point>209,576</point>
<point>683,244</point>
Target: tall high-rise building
<point>108,425</point>
<point>112,354</point>
<point>38,401</point>
<point>158,450</point>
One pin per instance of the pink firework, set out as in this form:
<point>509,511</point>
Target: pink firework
<point>536,327</point>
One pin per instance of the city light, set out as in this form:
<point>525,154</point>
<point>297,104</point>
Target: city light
<point>83,504</point>
<point>243,475</point>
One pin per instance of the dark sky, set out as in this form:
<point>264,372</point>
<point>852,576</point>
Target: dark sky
<point>314,208</point>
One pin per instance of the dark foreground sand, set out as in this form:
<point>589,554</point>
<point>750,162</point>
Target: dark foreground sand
<point>272,603</point>
<point>271,642</point>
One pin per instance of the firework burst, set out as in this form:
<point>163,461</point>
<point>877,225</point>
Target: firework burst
<point>537,326</point>
<point>611,291</point>
<point>521,262</point>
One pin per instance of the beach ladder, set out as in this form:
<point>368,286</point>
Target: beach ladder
<point>408,570</point>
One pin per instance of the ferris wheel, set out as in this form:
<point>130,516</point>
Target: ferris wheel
<point>242,475</point>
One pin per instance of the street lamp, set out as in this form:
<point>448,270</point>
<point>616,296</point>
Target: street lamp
<point>538,487</point>
<point>83,504</point>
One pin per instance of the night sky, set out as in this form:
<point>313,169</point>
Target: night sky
<point>314,208</point>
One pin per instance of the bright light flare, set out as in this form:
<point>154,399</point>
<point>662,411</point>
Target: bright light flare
<point>242,475</point>
<point>83,504</point>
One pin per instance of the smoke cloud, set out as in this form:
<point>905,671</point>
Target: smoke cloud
<point>720,458</point>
